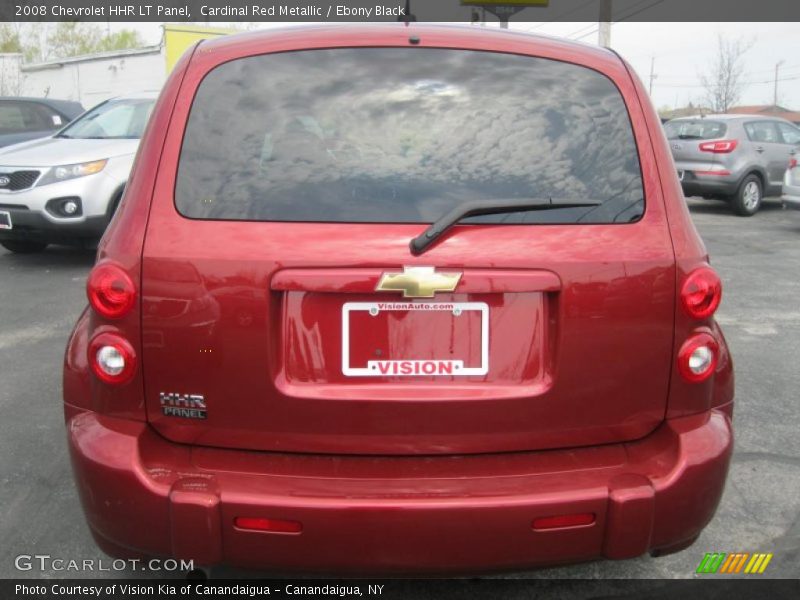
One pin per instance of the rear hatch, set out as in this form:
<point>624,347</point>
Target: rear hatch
<point>283,309</point>
<point>685,137</point>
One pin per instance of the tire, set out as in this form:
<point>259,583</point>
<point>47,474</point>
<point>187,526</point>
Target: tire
<point>23,247</point>
<point>747,199</point>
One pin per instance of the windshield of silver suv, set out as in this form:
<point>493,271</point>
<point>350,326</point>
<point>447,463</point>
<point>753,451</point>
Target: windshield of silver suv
<point>114,119</point>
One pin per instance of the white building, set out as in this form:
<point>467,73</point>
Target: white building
<point>97,77</point>
<point>10,79</point>
<point>93,78</point>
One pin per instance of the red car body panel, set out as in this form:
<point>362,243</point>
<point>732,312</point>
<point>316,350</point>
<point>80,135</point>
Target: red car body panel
<point>144,495</point>
<point>582,409</point>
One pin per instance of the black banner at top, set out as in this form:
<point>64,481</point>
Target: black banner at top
<point>210,11</point>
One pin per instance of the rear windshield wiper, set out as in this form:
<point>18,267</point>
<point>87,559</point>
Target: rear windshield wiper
<point>486,207</point>
<point>63,135</point>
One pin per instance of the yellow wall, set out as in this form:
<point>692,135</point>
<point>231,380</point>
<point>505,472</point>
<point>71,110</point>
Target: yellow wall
<point>177,38</point>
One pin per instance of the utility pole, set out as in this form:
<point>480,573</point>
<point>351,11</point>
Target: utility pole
<point>775,93</point>
<point>604,24</point>
<point>652,74</point>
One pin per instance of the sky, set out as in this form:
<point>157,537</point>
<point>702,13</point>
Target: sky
<point>680,54</point>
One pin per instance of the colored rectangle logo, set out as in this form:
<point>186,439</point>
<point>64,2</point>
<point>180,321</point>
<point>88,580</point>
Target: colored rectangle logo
<point>734,563</point>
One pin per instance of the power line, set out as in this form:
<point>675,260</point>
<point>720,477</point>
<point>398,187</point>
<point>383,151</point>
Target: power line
<point>583,29</point>
<point>592,32</point>
<point>787,67</point>
<point>679,81</point>
<point>700,85</point>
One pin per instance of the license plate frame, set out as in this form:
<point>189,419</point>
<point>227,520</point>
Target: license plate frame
<point>5,220</point>
<point>458,369</point>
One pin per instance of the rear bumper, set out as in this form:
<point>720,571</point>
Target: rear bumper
<point>35,227</point>
<point>791,197</point>
<point>33,221</point>
<point>708,185</point>
<point>698,180</point>
<point>144,495</point>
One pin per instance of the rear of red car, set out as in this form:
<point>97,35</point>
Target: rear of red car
<point>270,371</point>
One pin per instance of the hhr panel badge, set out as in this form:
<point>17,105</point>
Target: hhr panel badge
<point>188,406</point>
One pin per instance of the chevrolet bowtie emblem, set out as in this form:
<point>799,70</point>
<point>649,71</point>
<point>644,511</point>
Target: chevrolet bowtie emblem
<point>418,282</point>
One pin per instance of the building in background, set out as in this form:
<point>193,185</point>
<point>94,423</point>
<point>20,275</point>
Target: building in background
<point>768,110</point>
<point>686,111</point>
<point>177,38</point>
<point>763,110</point>
<point>10,79</point>
<point>93,78</point>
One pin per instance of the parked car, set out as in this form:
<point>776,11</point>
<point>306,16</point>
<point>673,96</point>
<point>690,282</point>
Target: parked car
<point>790,196</point>
<point>23,119</point>
<point>65,188</point>
<point>737,158</point>
<point>464,342</point>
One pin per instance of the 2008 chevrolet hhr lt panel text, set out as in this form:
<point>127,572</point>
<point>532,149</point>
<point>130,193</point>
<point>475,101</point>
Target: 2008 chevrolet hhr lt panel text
<point>427,293</point>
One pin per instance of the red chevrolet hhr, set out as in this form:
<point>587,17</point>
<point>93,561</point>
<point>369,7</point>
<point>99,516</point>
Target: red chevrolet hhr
<point>400,298</point>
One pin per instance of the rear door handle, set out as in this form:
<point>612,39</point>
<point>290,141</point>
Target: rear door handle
<point>759,148</point>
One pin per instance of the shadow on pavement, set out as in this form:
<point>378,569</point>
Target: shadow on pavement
<point>722,208</point>
<point>52,256</point>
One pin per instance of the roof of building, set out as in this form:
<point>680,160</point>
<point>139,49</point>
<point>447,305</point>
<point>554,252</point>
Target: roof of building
<point>767,110</point>
<point>59,62</point>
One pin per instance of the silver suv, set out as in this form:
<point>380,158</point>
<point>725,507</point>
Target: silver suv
<point>738,158</point>
<point>64,189</point>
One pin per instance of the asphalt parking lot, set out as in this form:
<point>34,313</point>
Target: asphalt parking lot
<point>758,259</point>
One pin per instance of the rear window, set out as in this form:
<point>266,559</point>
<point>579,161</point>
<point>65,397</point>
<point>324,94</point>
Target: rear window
<point>404,135</point>
<point>695,129</point>
<point>17,117</point>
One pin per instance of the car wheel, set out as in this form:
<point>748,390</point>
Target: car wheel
<point>22,247</point>
<point>747,200</point>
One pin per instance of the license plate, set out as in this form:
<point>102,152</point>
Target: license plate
<point>415,339</point>
<point>681,173</point>
<point>5,219</point>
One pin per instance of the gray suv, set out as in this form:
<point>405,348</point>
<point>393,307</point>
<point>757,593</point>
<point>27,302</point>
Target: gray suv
<point>738,158</point>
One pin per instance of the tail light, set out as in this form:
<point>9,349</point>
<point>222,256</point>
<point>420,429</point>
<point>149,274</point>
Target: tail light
<point>698,357</point>
<point>701,293</point>
<point>793,163</point>
<point>110,290</point>
<point>112,358</point>
<point>719,146</point>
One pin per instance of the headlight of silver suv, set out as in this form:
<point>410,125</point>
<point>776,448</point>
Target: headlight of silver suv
<point>65,172</point>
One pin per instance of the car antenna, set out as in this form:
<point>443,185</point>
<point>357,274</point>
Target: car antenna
<point>408,16</point>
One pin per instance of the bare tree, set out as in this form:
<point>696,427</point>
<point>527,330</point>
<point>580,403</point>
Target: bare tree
<point>723,82</point>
